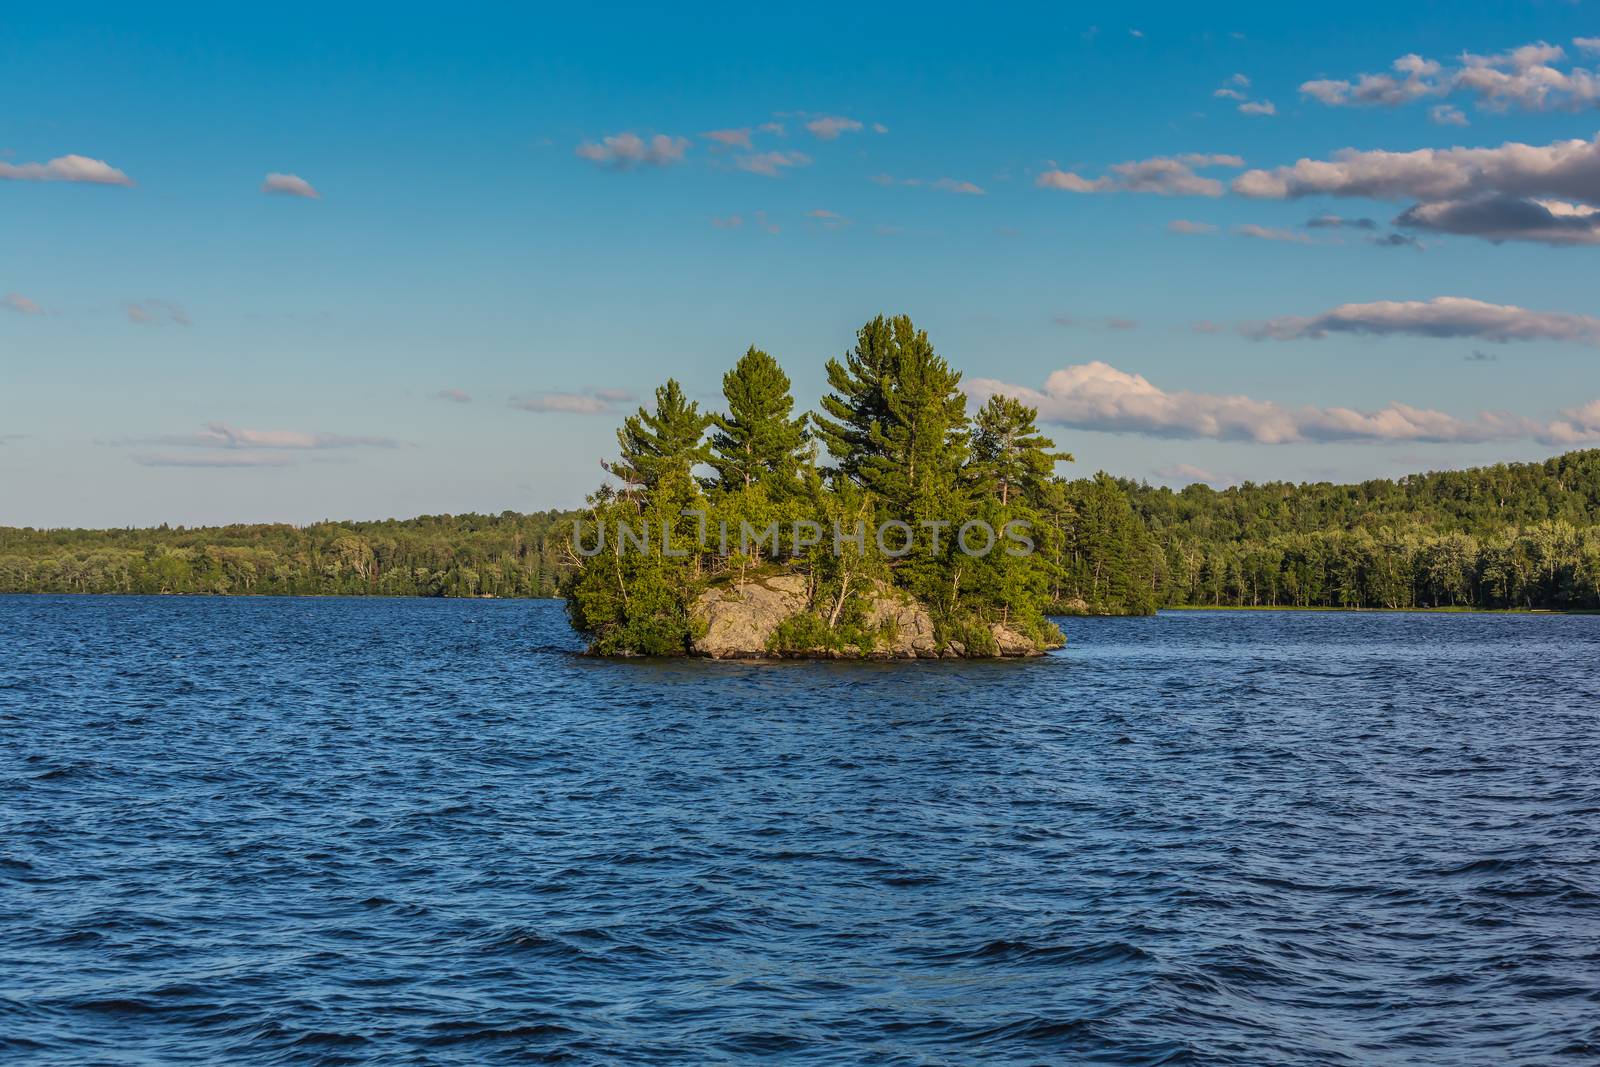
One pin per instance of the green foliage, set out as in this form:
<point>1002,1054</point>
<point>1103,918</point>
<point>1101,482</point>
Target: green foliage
<point>757,442</point>
<point>506,555</point>
<point>1522,535</point>
<point>661,442</point>
<point>1009,454</point>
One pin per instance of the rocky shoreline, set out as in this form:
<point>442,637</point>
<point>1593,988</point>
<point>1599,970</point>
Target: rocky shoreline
<point>741,619</point>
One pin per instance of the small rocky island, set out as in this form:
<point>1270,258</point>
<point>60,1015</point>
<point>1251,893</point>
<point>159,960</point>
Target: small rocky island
<point>889,524</point>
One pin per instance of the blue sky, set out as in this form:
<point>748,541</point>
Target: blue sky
<point>183,339</point>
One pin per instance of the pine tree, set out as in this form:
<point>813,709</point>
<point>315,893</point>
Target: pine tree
<point>758,441</point>
<point>1009,454</point>
<point>657,443</point>
<point>898,419</point>
<point>857,403</point>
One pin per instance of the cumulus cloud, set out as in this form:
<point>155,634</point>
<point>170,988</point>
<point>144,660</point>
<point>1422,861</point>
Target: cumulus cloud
<point>455,396</point>
<point>65,169</point>
<point>1413,78</point>
<point>1097,396</point>
<point>1258,107</point>
<point>157,312</point>
<point>1553,222</point>
<point>770,164</point>
<point>1186,226</point>
<point>589,401</point>
<point>1546,193</point>
<point>629,151</point>
<point>1447,115</point>
<point>1161,175</point>
<point>1444,316</point>
<point>1530,77</point>
<point>20,304</point>
<point>829,127</point>
<point>289,185</point>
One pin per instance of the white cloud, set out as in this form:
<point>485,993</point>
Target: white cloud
<point>829,127</point>
<point>627,151</point>
<point>769,164</point>
<point>1267,233</point>
<point>157,312</point>
<point>830,220</point>
<point>289,185</point>
<point>1587,44</point>
<point>65,169</point>
<point>222,435</point>
<point>1257,107</point>
<point>1447,115</point>
<point>1097,396</point>
<point>943,185</point>
<point>455,396</point>
<point>1527,77</point>
<point>1445,316</point>
<point>221,445</point>
<point>1185,226</point>
<point>590,401</point>
<point>736,138</point>
<point>20,304</point>
<point>1161,175</point>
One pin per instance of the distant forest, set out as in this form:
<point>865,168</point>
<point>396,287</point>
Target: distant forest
<point>1510,536</point>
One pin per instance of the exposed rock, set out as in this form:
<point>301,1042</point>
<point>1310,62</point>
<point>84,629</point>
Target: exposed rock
<point>910,624</point>
<point>740,619</point>
<point>1012,643</point>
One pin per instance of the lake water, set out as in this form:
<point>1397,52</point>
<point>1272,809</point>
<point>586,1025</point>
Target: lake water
<point>405,831</point>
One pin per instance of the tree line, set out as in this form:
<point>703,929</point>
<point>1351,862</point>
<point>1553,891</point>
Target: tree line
<point>1519,536</point>
<point>1510,536</point>
<point>506,555</point>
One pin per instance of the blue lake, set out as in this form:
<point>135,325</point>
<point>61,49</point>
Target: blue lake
<point>403,831</point>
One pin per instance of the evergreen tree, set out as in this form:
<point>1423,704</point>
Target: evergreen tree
<point>758,441</point>
<point>1009,454</point>
<point>857,405</point>
<point>656,443</point>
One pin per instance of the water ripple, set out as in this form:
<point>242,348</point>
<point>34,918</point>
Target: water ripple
<point>421,832</point>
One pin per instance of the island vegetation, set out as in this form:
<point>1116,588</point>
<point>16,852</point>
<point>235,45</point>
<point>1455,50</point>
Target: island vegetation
<point>872,542</point>
<point>1511,536</point>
